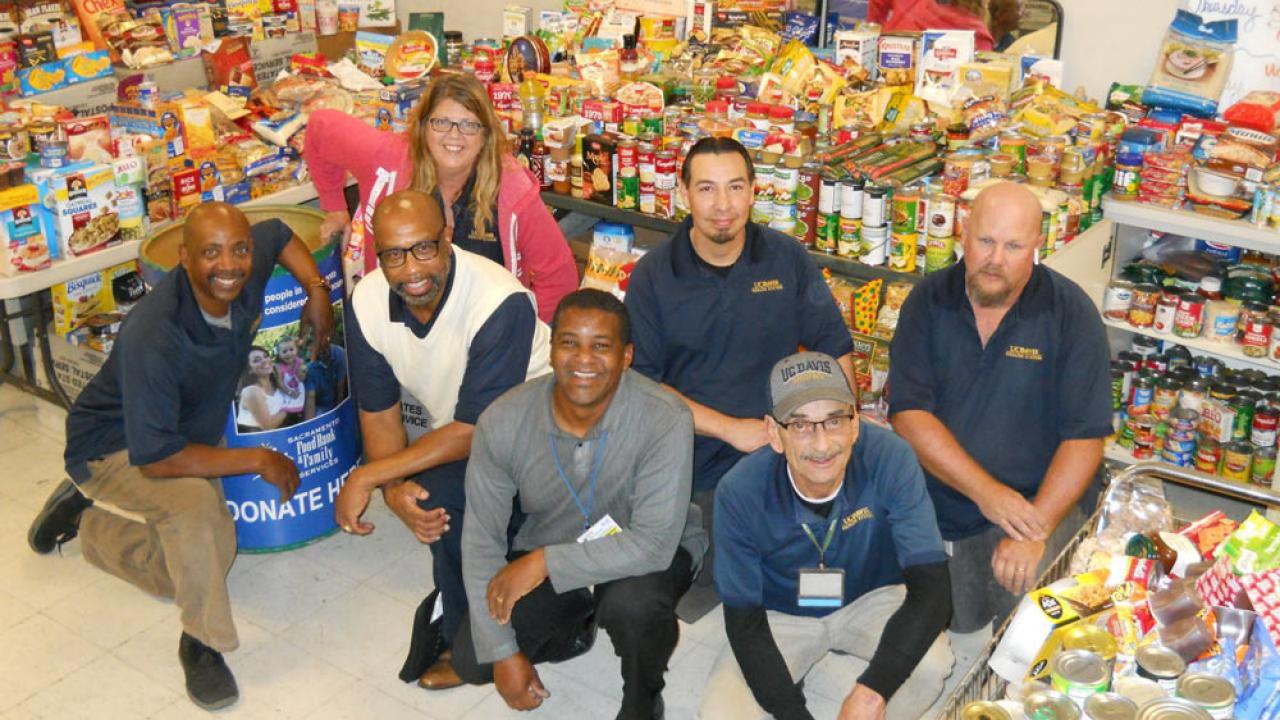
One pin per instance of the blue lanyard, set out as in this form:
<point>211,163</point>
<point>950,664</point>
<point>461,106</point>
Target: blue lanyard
<point>595,471</point>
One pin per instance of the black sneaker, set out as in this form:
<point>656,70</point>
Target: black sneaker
<point>210,684</point>
<point>59,519</point>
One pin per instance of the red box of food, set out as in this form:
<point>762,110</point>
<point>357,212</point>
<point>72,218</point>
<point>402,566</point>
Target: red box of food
<point>604,111</point>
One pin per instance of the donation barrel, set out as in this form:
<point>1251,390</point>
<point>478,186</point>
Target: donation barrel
<point>297,404</point>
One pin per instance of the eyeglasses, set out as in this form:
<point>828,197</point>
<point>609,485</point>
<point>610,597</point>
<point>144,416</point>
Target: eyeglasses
<point>444,125</point>
<point>395,257</point>
<point>832,424</point>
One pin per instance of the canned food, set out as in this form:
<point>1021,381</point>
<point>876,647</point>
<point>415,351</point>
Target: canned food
<point>1245,405</point>
<point>1166,308</point>
<point>1237,459</point>
<point>940,215</point>
<point>902,252</point>
<point>1143,393</point>
<point>984,710</point>
<point>14,143</point>
<point>906,205</point>
<point>1263,433</point>
<point>53,154</point>
<point>1172,709</point>
<point>1208,456</point>
<point>1165,397</point>
<point>1079,674</point>
<point>1050,705</point>
<point>875,241</point>
<point>1255,330</point>
<point>1083,636</point>
<point>939,253</point>
<point>849,244</point>
<point>1109,706</point>
<point>1221,318</point>
<point>1264,466</point>
<point>875,206</point>
<point>1215,695</point>
<point>1142,309</point>
<point>1188,320</point>
<point>1116,301</point>
<point>852,199</point>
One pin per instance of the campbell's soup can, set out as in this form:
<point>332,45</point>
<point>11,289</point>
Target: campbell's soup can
<point>1208,455</point>
<point>628,153</point>
<point>1237,460</point>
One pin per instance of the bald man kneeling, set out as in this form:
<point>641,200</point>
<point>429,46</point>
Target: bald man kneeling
<point>453,330</point>
<point>1000,384</point>
<point>144,435</point>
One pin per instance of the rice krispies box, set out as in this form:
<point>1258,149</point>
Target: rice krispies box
<point>82,198</point>
<point>27,241</point>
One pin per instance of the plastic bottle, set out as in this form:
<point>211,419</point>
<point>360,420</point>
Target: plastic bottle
<point>533,99</point>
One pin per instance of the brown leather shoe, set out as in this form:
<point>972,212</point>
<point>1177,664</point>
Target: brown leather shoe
<point>441,676</point>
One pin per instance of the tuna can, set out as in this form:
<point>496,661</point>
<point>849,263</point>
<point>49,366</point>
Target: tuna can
<point>1079,674</point>
<point>1172,709</point>
<point>1109,706</point>
<point>1050,705</point>
<point>53,154</point>
<point>1213,694</point>
<point>1083,636</point>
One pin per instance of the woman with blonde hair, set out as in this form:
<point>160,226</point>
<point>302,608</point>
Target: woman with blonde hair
<point>456,150</point>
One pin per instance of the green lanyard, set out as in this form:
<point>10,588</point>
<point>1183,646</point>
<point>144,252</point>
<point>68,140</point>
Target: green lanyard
<point>822,549</point>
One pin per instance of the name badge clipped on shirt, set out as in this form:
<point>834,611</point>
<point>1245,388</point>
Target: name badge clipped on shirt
<point>821,587</point>
<point>602,528</point>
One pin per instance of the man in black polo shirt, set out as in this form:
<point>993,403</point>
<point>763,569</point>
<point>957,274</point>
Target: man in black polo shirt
<point>713,308</point>
<point>144,435</point>
<point>999,382</point>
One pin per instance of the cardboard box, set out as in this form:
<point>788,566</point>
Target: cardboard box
<point>600,168</point>
<point>75,301</point>
<point>27,241</point>
<point>89,98</point>
<point>74,365</point>
<point>336,46</point>
<point>82,198</point>
<point>171,77</point>
<point>272,55</point>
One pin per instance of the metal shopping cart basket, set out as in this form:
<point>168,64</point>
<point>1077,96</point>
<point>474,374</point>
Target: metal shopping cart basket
<point>981,683</point>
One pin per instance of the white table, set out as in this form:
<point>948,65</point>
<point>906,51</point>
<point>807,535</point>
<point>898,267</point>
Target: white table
<point>28,289</point>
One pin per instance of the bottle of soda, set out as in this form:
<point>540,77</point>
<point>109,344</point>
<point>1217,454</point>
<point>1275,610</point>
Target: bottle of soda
<point>524,149</point>
<point>538,157</point>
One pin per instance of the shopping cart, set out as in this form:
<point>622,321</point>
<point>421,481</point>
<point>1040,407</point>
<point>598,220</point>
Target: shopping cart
<point>981,683</point>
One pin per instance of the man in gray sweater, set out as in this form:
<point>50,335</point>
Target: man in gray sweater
<point>600,459</point>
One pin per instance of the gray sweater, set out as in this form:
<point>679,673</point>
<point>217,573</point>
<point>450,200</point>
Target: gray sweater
<point>644,483</point>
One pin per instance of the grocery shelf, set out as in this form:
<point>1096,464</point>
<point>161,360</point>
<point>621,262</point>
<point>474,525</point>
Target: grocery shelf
<point>837,264</point>
<point>1230,351</point>
<point>1192,224</point>
<point>1189,477</point>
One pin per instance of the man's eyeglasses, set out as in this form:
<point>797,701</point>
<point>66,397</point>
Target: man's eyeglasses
<point>394,257</point>
<point>444,125</point>
<point>835,423</point>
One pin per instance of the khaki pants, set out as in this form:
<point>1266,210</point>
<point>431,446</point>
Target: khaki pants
<point>183,550</point>
<point>854,629</point>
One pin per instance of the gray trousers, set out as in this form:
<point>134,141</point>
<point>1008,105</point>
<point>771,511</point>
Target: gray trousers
<point>854,629</point>
<point>183,550</point>
<point>976,597</point>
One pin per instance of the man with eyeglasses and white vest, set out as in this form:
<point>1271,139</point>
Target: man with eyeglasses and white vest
<point>455,330</point>
<point>826,541</point>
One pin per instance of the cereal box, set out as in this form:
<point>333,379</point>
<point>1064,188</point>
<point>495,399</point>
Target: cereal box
<point>76,301</point>
<point>28,243</point>
<point>82,197</point>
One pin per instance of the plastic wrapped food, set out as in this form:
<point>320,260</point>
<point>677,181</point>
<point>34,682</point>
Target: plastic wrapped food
<point>1195,57</point>
<point>1259,110</point>
<point>1254,546</point>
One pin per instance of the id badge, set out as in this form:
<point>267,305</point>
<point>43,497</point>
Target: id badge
<point>821,587</point>
<point>604,527</point>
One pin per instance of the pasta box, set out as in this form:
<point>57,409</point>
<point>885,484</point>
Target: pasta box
<point>28,242</point>
<point>82,198</point>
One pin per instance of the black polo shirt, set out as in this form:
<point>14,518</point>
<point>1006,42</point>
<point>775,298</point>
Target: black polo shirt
<point>464,225</point>
<point>171,376</point>
<point>1041,379</point>
<point>715,337</point>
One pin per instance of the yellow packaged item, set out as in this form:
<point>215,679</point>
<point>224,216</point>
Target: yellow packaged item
<point>75,301</point>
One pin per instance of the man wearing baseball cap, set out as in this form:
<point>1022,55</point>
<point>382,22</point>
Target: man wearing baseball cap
<point>826,541</point>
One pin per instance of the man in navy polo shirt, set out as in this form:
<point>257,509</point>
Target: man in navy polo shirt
<point>455,330</point>
<point>999,382</point>
<point>144,436</point>
<point>826,541</point>
<point>713,308</point>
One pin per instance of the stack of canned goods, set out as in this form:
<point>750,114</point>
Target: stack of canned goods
<point>1191,411</point>
<point>1084,684</point>
<point>1246,323</point>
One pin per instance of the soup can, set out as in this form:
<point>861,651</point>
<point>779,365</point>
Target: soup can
<point>1237,460</point>
<point>1214,694</point>
<point>984,710</point>
<point>1208,455</point>
<point>1050,704</point>
<point>1172,709</point>
<point>1264,466</point>
<point>1116,301</point>
<point>1188,320</point>
<point>1110,706</point>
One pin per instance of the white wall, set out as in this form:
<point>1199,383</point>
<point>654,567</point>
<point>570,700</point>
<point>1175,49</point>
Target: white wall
<point>1105,41</point>
<point>475,18</point>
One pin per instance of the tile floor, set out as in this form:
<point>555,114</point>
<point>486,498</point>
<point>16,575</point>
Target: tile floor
<point>323,629</point>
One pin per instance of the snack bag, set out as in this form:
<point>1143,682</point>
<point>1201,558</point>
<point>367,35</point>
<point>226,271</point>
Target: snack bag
<point>1195,58</point>
<point>866,300</point>
<point>1263,590</point>
<point>1220,587</point>
<point>1261,670</point>
<point>1259,110</point>
<point>1254,547</point>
